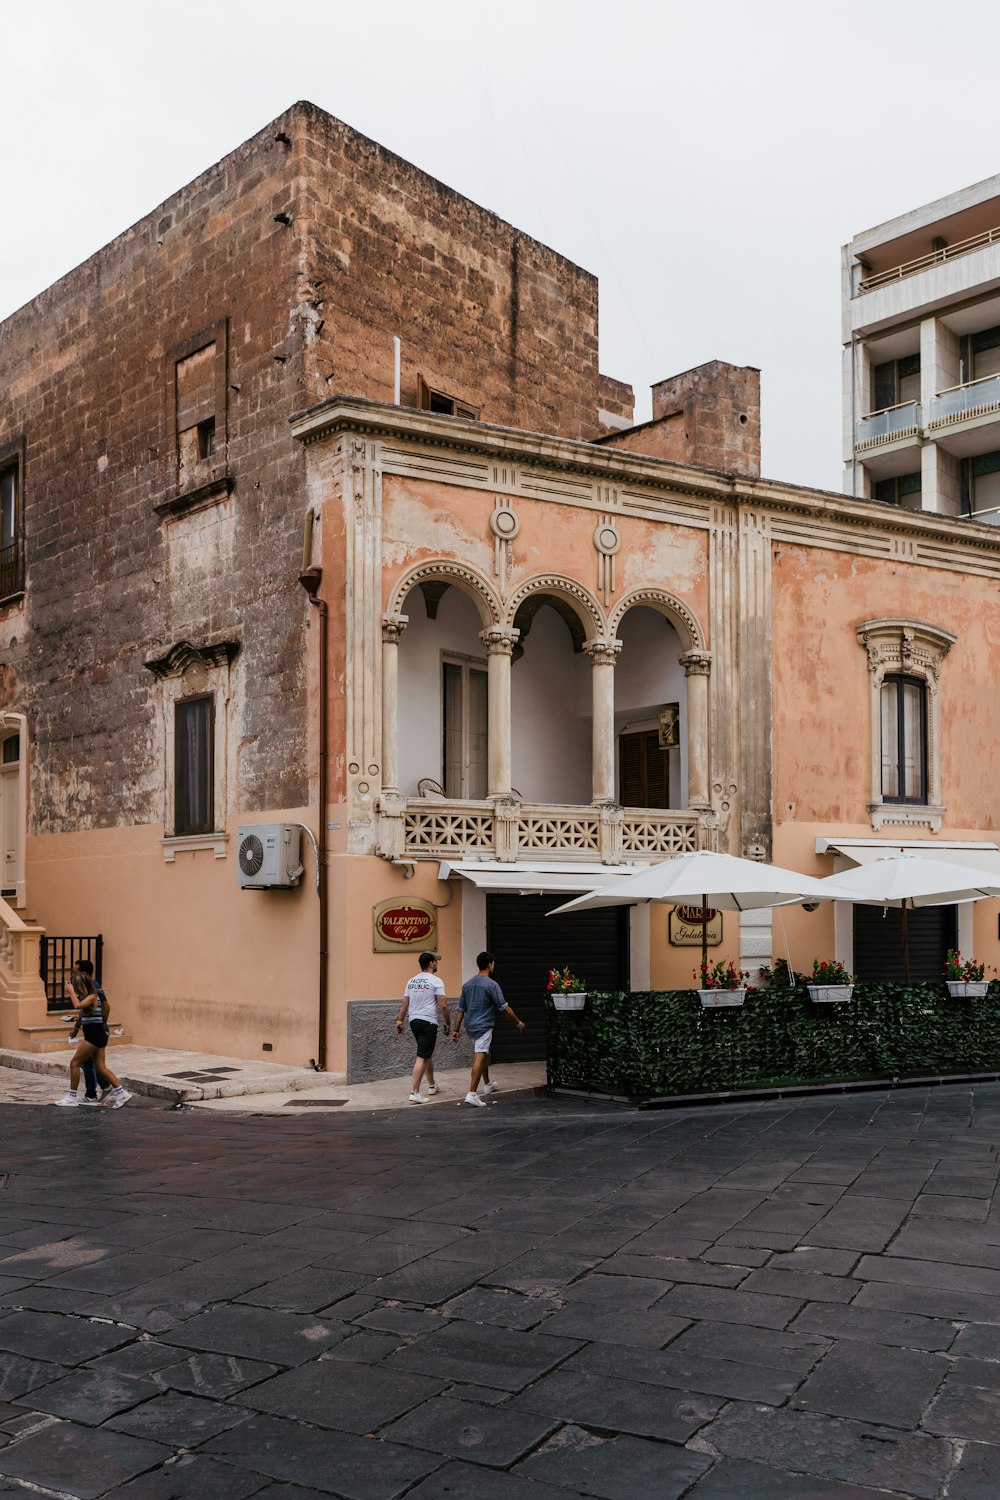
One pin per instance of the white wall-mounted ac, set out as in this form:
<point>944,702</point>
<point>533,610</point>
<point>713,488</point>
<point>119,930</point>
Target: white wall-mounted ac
<point>268,856</point>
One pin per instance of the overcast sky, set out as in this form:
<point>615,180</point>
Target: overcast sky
<point>705,160</point>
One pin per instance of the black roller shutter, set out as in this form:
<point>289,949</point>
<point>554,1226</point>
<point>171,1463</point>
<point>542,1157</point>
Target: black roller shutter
<point>878,942</point>
<point>527,944</point>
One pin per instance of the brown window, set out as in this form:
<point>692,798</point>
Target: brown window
<point>643,770</point>
<point>903,704</point>
<point>197,396</point>
<point>451,406</point>
<point>11,552</point>
<point>194,764</point>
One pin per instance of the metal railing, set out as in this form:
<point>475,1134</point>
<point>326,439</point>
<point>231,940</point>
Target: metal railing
<point>933,258</point>
<point>57,958</point>
<point>889,425</point>
<point>974,399</point>
<point>11,569</point>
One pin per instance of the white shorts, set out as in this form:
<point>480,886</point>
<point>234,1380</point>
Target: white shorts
<point>482,1043</point>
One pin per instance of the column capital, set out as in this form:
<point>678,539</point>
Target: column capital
<point>696,663</point>
<point>603,652</point>
<point>393,627</point>
<point>500,640</point>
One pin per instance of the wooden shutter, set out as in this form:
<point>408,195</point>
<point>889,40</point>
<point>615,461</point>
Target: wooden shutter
<point>643,770</point>
<point>194,757</point>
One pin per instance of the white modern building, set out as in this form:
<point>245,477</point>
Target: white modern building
<point>921,332</point>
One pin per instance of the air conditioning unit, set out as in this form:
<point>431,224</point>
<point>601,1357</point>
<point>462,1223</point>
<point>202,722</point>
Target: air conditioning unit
<point>268,856</point>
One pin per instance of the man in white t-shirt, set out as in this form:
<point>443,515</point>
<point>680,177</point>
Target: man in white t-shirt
<point>423,998</point>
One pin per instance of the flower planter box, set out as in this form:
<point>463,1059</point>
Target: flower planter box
<point>830,994</point>
<point>712,999</point>
<point>571,1001</point>
<point>967,989</point>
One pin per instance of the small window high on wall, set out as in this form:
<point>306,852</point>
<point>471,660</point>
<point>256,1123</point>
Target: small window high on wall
<point>197,398</point>
<point>11,520</point>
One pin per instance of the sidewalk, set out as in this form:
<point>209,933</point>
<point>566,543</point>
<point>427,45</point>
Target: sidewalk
<point>234,1084</point>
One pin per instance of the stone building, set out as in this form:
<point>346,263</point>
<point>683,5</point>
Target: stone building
<point>322,527</point>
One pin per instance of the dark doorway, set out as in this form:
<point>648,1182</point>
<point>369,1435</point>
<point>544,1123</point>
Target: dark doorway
<point>878,942</point>
<point>527,944</point>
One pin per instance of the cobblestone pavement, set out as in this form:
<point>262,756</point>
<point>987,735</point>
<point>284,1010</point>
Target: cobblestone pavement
<point>794,1300</point>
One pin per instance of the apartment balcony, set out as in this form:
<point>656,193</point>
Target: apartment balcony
<point>932,258</point>
<point>510,830</point>
<point>966,418</point>
<point>896,427</point>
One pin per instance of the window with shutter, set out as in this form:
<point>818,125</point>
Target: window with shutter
<point>194,764</point>
<point>643,770</point>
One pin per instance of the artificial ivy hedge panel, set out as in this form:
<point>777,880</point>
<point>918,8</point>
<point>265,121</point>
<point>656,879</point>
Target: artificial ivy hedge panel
<point>651,1043</point>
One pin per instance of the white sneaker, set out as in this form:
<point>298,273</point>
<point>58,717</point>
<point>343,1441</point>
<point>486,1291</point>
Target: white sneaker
<point>69,1101</point>
<point>416,1098</point>
<point>475,1099</point>
<point>491,1088</point>
<point>103,1094</point>
<point>433,1088</point>
<point>91,1103</point>
<point>119,1097</point>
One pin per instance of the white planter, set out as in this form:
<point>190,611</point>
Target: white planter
<point>574,1001</point>
<point>830,994</point>
<point>718,998</point>
<point>967,989</point>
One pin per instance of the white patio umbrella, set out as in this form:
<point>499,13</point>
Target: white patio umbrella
<point>711,881</point>
<point>908,880</point>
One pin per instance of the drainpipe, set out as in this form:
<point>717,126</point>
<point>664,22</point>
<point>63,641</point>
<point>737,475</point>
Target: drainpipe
<point>310,578</point>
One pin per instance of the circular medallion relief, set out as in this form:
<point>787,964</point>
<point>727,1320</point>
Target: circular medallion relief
<point>607,539</point>
<point>504,523</point>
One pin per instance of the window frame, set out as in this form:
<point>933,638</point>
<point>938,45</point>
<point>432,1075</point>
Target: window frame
<point>899,680</point>
<point>449,406</point>
<point>188,672</point>
<point>213,469</point>
<point>12,456</point>
<point>914,649</point>
<point>184,782</point>
<point>467,664</point>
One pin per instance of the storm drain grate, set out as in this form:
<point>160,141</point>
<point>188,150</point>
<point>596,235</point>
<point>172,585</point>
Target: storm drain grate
<point>313,1103</point>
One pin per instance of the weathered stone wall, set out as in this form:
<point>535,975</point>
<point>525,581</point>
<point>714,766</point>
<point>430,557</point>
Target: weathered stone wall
<point>85,376</point>
<point>299,256</point>
<point>484,313</point>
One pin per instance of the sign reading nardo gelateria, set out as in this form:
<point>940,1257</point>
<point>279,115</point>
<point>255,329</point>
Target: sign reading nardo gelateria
<point>398,925</point>
<point>685,927</point>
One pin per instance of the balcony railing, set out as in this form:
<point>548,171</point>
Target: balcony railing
<point>933,258</point>
<point>512,830</point>
<point>888,426</point>
<point>11,569</point>
<point>975,399</point>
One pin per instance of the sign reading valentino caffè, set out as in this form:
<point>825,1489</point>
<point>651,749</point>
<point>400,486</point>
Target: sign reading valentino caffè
<point>401,925</point>
<point>685,927</point>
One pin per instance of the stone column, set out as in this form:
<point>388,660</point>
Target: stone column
<point>499,641</point>
<point>697,668</point>
<point>392,628</point>
<point>603,655</point>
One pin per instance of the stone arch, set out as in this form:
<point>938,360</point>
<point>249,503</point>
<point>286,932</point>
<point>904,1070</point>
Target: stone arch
<point>683,619</point>
<point>570,598</point>
<point>444,571</point>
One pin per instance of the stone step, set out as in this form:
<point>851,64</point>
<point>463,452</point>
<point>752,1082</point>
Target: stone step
<point>52,1037</point>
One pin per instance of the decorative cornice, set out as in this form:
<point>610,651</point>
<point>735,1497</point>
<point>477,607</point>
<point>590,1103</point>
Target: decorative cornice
<point>184,655</point>
<point>802,516</point>
<point>215,489</point>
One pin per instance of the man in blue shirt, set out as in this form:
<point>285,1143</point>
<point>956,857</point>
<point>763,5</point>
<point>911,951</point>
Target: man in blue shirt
<point>481,999</point>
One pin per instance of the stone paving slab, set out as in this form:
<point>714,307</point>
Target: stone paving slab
<point>759,1301</point>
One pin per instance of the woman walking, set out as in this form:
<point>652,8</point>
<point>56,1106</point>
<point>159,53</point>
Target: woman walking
<point>89,1002</point>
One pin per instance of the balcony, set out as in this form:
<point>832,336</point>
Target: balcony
<point>510,830</point>
<point>979,398</point>
<point>896,424</point>
<point>932,258</point>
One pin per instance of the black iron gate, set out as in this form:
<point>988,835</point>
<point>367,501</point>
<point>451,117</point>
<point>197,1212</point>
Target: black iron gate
<point>58,957</point>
